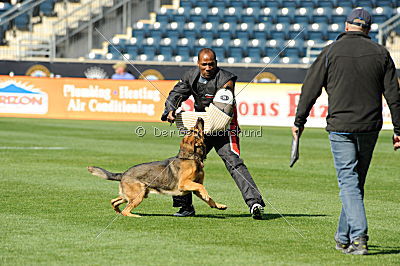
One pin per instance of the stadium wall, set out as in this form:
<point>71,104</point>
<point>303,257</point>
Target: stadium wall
<point>139,100</point>
<point>101,69</point>
<point>153,70</point>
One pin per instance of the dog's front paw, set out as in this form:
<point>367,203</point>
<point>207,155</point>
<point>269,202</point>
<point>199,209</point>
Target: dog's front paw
<point>130,214</point>
<point>221,206</point>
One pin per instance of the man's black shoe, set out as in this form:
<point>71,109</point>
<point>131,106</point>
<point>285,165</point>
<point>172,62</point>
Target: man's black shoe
<point>358,247</point>
<point>340,246</point>
<point>257,211</point>
<point>185,212</point>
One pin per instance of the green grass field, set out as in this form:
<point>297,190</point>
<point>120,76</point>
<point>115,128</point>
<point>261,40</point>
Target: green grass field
<point>52,209</point>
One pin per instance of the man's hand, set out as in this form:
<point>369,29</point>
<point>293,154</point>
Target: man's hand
<point>295,130</point>
<point>171,117</point>
<point>396,142</point>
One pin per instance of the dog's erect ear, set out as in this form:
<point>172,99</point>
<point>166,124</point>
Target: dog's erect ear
<point>200,124</point>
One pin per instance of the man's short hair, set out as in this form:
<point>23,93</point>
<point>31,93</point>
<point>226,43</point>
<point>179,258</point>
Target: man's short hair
<point>206,50</point>
<point>120,64</point>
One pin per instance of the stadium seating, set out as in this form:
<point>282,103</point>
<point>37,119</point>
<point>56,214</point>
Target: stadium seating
<point>22,21</point>
<point>4,7</point>
<point>47,7</point>
<point>249,31</point>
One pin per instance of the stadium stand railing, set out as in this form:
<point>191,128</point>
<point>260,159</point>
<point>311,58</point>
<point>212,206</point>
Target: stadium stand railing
<point>20,25</point>
<point>388,35</point>
<point>81,18</point>
<point>19,14</point>
<point>63,28</point>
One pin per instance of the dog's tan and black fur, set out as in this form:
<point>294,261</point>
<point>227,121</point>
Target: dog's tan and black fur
<point>177,175</point>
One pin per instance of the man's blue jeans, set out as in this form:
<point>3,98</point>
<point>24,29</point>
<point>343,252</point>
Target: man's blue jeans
<point>352,154</point>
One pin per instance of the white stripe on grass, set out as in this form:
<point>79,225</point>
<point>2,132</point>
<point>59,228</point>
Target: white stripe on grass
<point>32,148</point>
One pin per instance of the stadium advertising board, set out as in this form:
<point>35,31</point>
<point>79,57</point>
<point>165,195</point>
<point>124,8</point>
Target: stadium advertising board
<point>275,105</point>
<point>137,100</point>
<point>70,98</point>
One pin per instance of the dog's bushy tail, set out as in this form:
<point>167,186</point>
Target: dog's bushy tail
<point>97,171</point>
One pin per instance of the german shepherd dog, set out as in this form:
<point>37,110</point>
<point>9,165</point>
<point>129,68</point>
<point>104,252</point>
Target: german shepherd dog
<point>175,176</point>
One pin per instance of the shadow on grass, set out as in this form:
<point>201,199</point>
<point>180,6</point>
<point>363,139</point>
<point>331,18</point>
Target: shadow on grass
<point>267,217</point>
<point>272,216</point>
<point>380,250</point>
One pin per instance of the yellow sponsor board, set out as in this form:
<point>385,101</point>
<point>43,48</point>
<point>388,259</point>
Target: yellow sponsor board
<point>70,98</point>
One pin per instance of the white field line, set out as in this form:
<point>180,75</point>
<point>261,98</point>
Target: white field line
<point>32,148</point>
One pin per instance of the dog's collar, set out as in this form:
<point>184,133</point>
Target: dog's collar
<point>194,157</point>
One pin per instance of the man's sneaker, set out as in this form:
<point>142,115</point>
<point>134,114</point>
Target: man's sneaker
<point>340,246</point>
<point>257,211</point>
<point>358,247</point>
<point>185,212</point>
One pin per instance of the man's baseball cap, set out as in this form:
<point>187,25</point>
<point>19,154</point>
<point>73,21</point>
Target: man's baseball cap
<point>359,17</point>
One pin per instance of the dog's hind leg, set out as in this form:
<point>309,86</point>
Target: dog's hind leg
<point>116,202</point>
<point>135,194</point>
<point>202,193</point>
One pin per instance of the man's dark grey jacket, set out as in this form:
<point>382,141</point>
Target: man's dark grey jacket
<point>355,71</point>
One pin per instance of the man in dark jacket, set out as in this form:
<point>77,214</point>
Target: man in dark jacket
<point>203,83</point>
<point>355,72</point>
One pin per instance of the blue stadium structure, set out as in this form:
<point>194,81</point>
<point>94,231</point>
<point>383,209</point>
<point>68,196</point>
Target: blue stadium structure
<point>246,31</point>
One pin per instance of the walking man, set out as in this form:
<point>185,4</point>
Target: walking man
<point>355,72</point>
<point>203,82</point>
